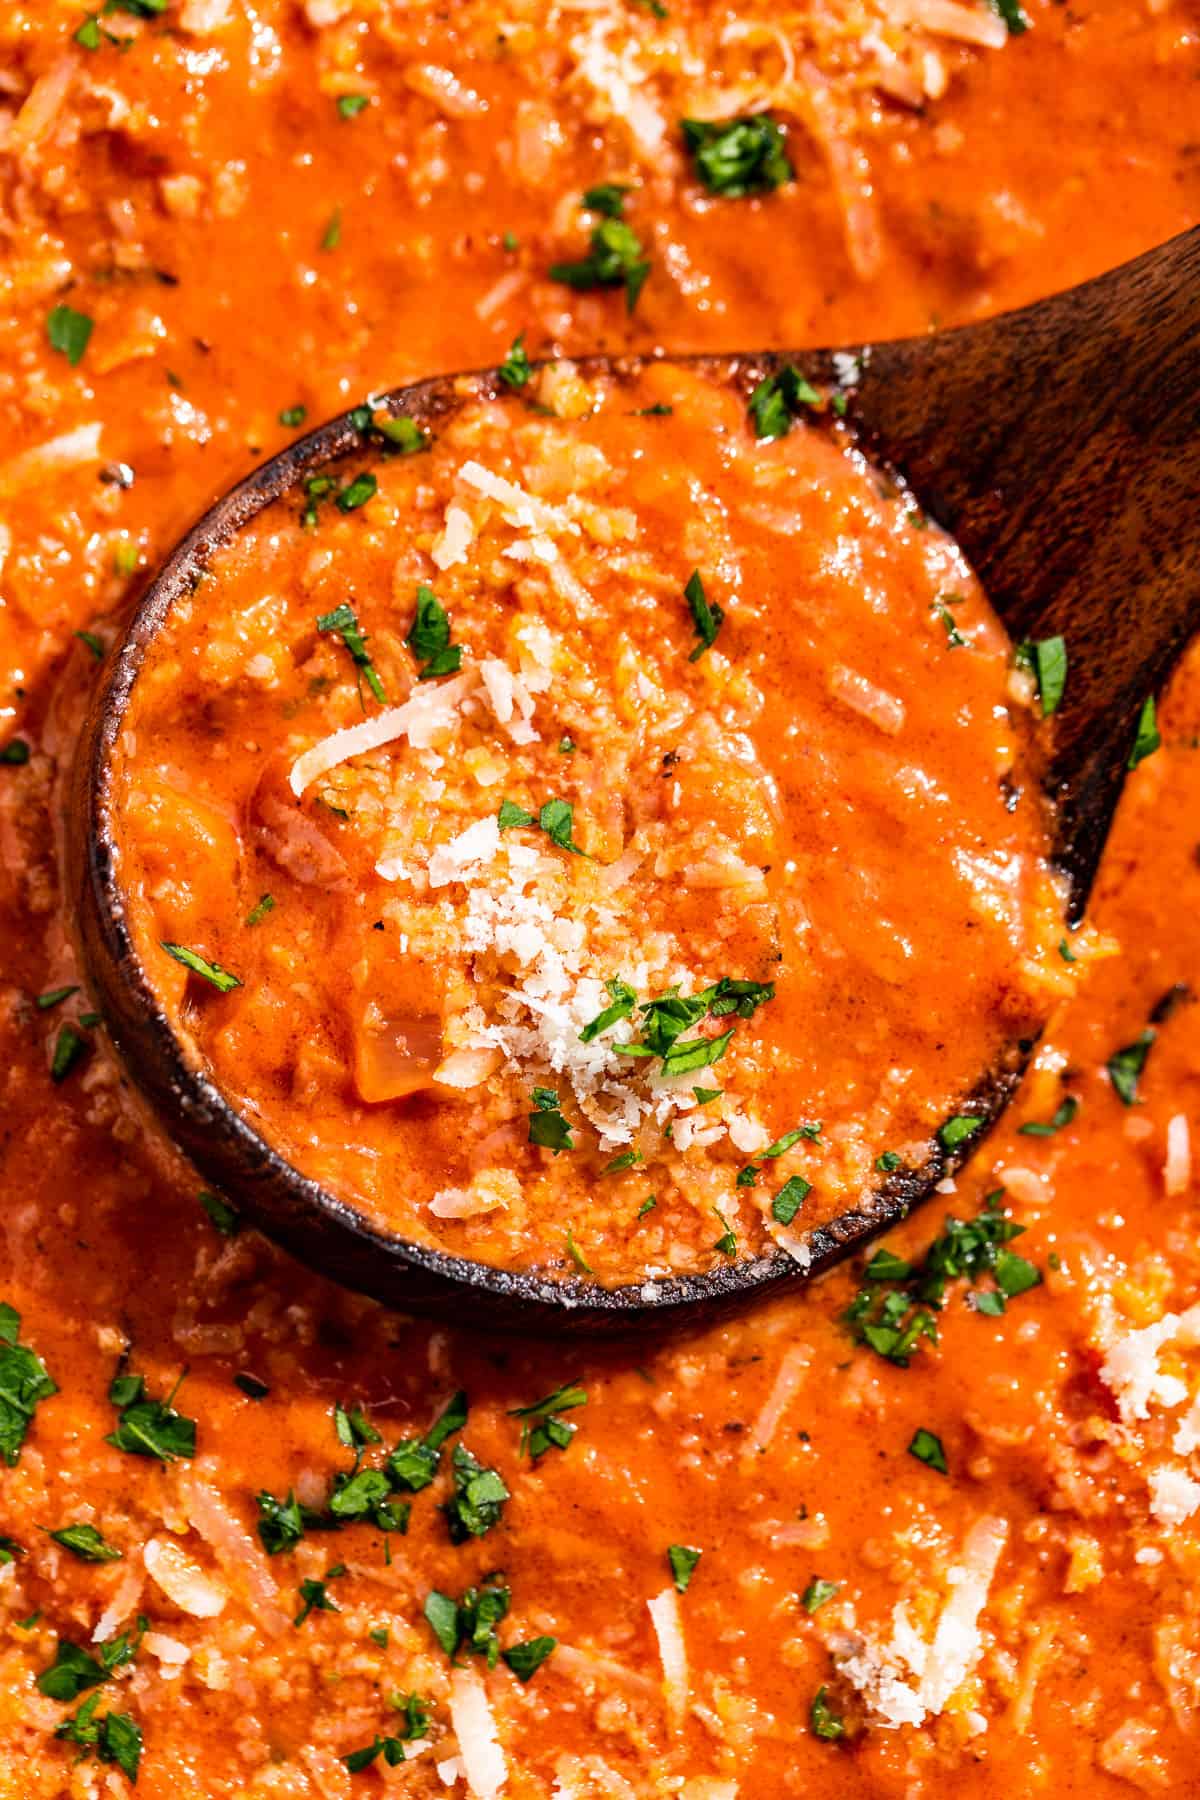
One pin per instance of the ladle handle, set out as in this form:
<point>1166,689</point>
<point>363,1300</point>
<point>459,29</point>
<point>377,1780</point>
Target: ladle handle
<point>1060,445</point>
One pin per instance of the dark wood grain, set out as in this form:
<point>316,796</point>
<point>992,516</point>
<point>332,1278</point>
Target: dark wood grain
<point>1060,446</point>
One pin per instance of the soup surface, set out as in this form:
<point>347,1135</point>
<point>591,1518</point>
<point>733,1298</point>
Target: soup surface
<point>608,845</point>
<point>967,1561</point>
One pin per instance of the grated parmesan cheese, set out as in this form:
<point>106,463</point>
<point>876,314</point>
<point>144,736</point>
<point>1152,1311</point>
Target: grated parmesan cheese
<point>475,1728</point>
<point>667,1619</point>
<point>426,713</point>
<point>1174,1495</point>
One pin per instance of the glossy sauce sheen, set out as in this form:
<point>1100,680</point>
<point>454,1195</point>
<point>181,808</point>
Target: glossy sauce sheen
<point>182,188</point>
<point>831,806</point>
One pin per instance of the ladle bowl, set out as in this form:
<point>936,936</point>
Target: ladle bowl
<point>1059,445</point>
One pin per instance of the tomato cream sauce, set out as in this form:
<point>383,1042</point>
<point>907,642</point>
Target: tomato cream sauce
<point>791,1554</point>
<point>449,877</point>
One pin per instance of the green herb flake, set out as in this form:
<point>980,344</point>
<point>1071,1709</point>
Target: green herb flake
<point>331,237</point>
<point>704,1095</point>
<point>648,1205</point>
<point>10,1550</point>
<point>941,611</point>
<point>547,1126</point>
<point>258,912</point>
<point>1047,658</point>
<point>926,1446</point>
<point>226,1218</point>
<point>1013,14</point>
<point>623,1001</point>
<point>212,972</point>
<point>1125,1066</point>
<point>526,1659</point>
<point>888,1162</point>
<point>824,1722</point>
<point>1146,738</point>
<point>1062,1117</point>
<point>790,1199</point>
<point>738,157</point>
<point>1066,952</point>
<point>544,1428</point>
<point>115,1737</point>
<point>707,616</point>
<point>69,333</point>
<point>958,1130</point>
<point>85,1542</point>
<point>615,259</point>
<point>149,1427</point>
<point>292,416</point>
<point>470,1622</point>
<point>70,1047</point>
<point>817,1594</point>
<point>727,1242</point>
<point>779,399</point>
<point>350,105</point>
<point>516,368</point>
<point>629,1159</point>
<point>315,1595</point>
<point>16,753</point>
<point>54,997</point>
<point>576,1254</point>
<point>429,637</point>
<point>356,493</point>
<point>683,1559</point>
<point>24,1383</point>
<point>91,643</point>
<point>343,622</point>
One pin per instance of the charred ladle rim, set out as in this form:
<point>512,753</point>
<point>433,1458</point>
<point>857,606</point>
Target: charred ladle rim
<point>975,419</point>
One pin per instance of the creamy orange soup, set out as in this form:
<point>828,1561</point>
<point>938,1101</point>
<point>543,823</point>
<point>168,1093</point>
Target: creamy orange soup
<point>928,1547</point>
<point>600,837</point>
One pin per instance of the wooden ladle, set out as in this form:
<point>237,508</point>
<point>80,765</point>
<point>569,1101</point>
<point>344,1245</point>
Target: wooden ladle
<point>1059,445</point>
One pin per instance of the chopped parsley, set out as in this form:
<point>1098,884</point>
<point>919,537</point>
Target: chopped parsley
<point>707,616</point>
<point>615,258</point>
<point>779,399</point>
<point>704,1095</point>
<point>895,1308</point>
<point>648,1205</point>
<point>817,1594</point>
<point>683,1559</point>
<point>555,817</point>
<point>331,237</point>
<point>623,999</point>
<point>350,105</point>
<point>824,1721</point>
<point>478,1500</point>
<point>85,1542</point>
<point>628,1159</point>
<point>516,368</point>
<point>547,1126</point>
<point>576,1254</point>
<point>544,1428</point>
<point>15,752</point>
<point>70,1047</point>
<point>1047,659</point>
<point>737,157</point>
<point>926,1446</point>
<point>24,1383</point>
<point>1146,738</point>
<point>727,1242</point>
<point>356,493</point>
<point>291,416</point>
<point>748,1176</point>
<point>258,912</point>
<point>429,638</point>
<point>226,1218</point>
<point>607,198</point>
<point>1013,14</point>
<point>315,1596</point>
<point>115,1737</point>
<point>149,1427</point>
<point>69,333</point>
<point>54,997</point>
<point>790,1199</point>
<point>74,1671</point>
<point>941,611</point>
<point>1125,1066</point>
<point>958,1130</point>
<point>212,972</point>
<point>526,1659</point>
<point>888,1161</point>
<point>10,1550</point>
<point>470,1622</point>
<point>1062,1117</point>
<point>343,622</point>
<point>91,642</point>
<point>366,1494</point>
<point>416,1718</point>
<point>413,1463</point>
<point>282,1523</point>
